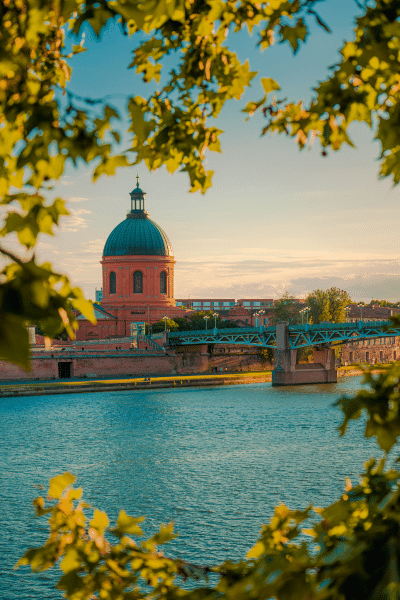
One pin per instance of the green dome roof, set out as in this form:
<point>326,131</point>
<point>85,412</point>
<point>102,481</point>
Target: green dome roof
<point>137,236</point>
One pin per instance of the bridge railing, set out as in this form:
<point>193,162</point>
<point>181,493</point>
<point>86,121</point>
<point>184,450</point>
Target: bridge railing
<point>212,331</point>
<point>344,326</point>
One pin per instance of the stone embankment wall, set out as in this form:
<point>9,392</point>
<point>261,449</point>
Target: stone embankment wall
<point>379,350</point>
<point>100,363</point>
<point>47,367</point>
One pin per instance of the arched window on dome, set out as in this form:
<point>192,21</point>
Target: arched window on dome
<point>138,282</point>
<point>163,282</point>
<point>113,283</point>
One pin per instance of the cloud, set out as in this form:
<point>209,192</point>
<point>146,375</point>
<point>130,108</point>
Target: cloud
<point>94,247</point>
<point>75,221</point>
<point>76,199</point>
<point>363,275</point>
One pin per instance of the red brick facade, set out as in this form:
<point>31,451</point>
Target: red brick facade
<point>151,269</point>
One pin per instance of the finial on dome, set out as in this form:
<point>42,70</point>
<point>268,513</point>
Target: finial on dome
<point>137,180</point>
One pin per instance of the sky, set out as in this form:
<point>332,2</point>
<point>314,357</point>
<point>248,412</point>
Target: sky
<point>276,219</point>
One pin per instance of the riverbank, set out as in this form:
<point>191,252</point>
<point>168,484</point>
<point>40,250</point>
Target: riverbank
<point>35,388</point>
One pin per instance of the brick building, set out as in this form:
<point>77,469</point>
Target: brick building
<point>138,277</point>
<point>378,350</point>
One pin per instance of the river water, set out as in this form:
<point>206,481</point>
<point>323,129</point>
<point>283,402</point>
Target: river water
<point>213,460</point>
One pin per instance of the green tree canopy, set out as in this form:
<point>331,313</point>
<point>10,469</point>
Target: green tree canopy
<point>286,309</point>
<point>328,305</point>
<point>385,303</point>
<point>195,320</point>
<point>160,325</point>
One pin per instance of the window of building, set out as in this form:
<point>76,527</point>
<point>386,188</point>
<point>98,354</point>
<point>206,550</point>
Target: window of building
<point>178,304</point>
<point>246,303</point>
<point>113,283</point>
<point>197,304</point>
<point>206,304</point>
<point>163,282</point>
<point>138,282</point>
<point>215,303</point>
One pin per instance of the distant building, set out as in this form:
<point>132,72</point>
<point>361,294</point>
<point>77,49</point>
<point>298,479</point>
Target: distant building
<point>205,304</point>
<point>377,350</point>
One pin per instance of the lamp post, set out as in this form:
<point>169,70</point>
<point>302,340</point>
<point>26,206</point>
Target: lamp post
<point>260,314</point>
<point>302,312</point>
<point>360,306</point>
<point>165,319</point>
<point>215,315</point>
<point>206,320</point>
<point>347,311</point>
<point>307,310</point>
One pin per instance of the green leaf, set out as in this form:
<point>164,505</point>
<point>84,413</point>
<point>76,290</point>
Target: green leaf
<point>71,560</point>
<point>269,84</point>
<point>59,483</point>
<point>127,525</point>
<point>100,521</point>
<point>78,49</point>
<point>14,340</point>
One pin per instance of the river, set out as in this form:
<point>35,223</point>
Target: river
<point>213,460</point>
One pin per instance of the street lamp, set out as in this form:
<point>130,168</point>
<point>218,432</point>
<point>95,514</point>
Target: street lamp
<point>215,315</point>
<point>307,310</point>
<point>347,311</point>
<point>206,320</point>
<point>165,319</point>
<point>260,314</point>
<point>302,312</point>
<point>360,306</point>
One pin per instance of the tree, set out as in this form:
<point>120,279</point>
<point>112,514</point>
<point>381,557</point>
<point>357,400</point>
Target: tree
<point>197,321</point>
<point>286,309</point>
<point>354,552</point>
<point>44,126</point>
<point>385,303</point>
<point>169,324</point>
<point>328,305</point>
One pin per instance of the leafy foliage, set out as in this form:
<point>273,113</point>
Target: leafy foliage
<point>364,86</point>
<point>194,321</point>
<point>328,305</point>
<point>286,309</point>
<point>385,303</point>
<point>354,552</point>
<point>169,324</point>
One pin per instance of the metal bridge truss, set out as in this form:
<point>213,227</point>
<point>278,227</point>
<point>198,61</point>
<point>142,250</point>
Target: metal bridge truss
<point>300,336</point>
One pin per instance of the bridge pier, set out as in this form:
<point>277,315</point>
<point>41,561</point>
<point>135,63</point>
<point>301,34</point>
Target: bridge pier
<point>286,372</point>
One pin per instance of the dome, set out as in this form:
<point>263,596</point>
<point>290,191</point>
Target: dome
<point>137,236</point>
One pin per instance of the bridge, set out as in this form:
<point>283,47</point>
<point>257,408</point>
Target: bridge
<point>286,339</point>
<point>299,336</point>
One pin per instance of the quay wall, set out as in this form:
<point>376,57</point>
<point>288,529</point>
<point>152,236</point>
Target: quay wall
<point>100,363</point>
<point>47,367</point>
